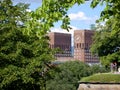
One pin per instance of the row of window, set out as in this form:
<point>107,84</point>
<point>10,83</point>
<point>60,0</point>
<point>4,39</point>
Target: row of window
<point>82,45</point>
<point>63,55</point>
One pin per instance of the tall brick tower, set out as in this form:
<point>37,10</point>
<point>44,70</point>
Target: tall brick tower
<point>82,42</point>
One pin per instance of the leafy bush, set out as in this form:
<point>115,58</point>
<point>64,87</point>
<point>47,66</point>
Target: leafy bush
<point>68,75</point>
<point>99,69</point>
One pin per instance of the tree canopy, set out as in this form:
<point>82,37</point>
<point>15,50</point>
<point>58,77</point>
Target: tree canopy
<point>69,73</point>
<point>106,45</point>
<point>23,57</point>
<point>106,42</point>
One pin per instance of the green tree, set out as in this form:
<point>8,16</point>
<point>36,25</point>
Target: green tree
<point>106,45</point>
<point>23,58</point>
<point>107,39</point>
<point>68,75</point>
<point>50,12</point>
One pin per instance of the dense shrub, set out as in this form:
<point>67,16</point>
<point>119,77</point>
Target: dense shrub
<point>99,69</point>
<point>69,73</point>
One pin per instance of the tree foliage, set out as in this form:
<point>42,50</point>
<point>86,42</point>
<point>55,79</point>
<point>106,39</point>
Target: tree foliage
<point>68,75</point>
<point>107,39</point>
<point>110,14</point>
<point>23,58</point>
<point>50,12</point>
<point>106,45</point>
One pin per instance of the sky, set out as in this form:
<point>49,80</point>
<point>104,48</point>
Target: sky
<point>81,16</point>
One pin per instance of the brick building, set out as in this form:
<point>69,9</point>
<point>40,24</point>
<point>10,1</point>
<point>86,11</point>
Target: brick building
<point>82,42</point>
<point>62,41</point>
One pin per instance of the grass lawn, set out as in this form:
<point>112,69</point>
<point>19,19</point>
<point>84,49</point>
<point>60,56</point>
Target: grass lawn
<point>102,78</point>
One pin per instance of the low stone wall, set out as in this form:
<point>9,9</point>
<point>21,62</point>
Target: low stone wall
<point>98,86</point>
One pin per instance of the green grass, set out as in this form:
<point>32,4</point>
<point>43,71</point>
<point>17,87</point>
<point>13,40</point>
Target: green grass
<point>102,78</point>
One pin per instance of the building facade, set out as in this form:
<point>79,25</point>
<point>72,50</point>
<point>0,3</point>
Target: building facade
<point>61,41</point>
<point>82,43</point>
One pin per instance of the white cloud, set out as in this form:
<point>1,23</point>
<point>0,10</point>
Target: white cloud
<point>28,10</point>
<point>78,16</point>
<point>81,16</point>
